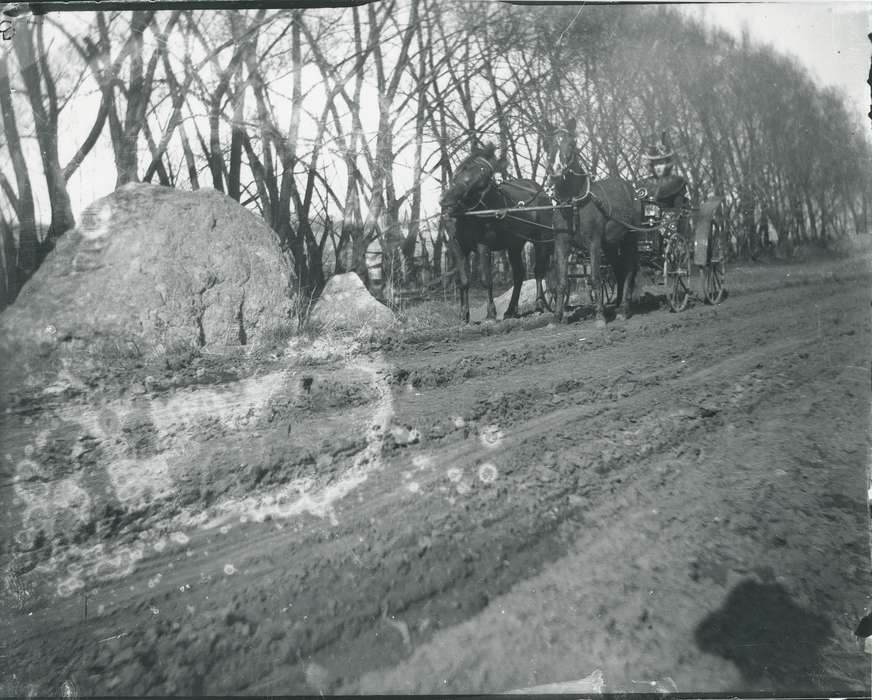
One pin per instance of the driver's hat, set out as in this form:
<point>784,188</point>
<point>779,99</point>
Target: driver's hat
<point>658,150</point>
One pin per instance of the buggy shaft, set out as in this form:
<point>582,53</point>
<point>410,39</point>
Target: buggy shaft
<point>517,210</point>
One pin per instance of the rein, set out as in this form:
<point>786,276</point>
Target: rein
<point>480,202</point>
<point>504,214</point>
<point>601,206</point>
<point>534,191</point>
<point>608,214</point>
<point>580,200</point>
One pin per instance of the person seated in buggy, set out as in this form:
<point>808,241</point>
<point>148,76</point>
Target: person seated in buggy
<point>663,194</point>
<point>667,189</point>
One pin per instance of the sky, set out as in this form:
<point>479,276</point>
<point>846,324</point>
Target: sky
<point>828,38</point>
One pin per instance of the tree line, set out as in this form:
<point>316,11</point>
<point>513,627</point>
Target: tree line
<point>339,125</point>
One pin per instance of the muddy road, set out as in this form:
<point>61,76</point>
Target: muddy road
<point>677,502</point>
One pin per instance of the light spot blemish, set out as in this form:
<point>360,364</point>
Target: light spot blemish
<point>454,474</point>
<point>422,461</point>
<point>491,436</point>
<point>487,473</point>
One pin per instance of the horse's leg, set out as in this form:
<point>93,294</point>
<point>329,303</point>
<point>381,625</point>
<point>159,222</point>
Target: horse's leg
<point>614,256</point>
<point>596,242</point>
<point>465,275</point>
<point>561,261</point>
<point>461,263</point>
<point>619,270</point>
<point>633,284</point>
<point>516,259</point>
<point>484,258</point>
<point>630,257</point>
<point>542,253</point>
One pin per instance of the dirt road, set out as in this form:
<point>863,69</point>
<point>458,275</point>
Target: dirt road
<point>675,503</point>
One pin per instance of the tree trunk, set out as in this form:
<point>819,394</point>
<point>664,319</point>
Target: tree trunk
<point>9,281</point>
<point>438,248</point>
<point>25,259</point>
<point>138,93</point>
<point>46,125</point>
<point>237,126</point>
<point>190,163</point>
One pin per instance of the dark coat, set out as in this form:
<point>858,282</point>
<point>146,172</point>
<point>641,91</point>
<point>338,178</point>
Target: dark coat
<point>669,191</point>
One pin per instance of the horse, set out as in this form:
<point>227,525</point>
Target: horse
<point>607,217</point>
<point>474,187</point>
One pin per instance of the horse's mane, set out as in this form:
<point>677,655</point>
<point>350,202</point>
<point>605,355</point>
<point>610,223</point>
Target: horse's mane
<point>487,151</point>
<point>573,153</point>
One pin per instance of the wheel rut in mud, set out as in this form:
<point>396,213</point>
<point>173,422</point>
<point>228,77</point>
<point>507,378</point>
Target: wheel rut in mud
<point>455,470</point>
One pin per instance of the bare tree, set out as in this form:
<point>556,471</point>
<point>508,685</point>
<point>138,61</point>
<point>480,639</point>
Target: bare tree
<point>35,73</point>
<point>18,265</point>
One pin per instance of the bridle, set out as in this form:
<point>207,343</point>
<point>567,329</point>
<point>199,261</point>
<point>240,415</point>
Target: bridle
<point>488,168</point>
<point>573,162</point>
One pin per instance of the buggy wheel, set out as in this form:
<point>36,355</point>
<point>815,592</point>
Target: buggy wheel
<point>608,286</point>
<point>676,272</point>
<point>714,273</point>
<point>713,282</point>
<point>550,300</point>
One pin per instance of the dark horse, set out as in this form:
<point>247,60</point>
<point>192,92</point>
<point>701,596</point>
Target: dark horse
<point>474,187</point>
<point>607,212</point>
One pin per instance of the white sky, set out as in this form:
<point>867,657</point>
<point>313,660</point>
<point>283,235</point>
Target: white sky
<point>828,38</point>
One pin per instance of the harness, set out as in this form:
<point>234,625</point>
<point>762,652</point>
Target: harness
<point>601,206</point>
<point>481,160</point>
<point>588,196</point>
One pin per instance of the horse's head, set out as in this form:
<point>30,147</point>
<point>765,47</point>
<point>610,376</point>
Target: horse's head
<point>567,171</point>
<point>472,179</point>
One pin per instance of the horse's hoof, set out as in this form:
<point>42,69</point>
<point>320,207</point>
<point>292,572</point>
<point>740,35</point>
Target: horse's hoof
<point>600,323</point>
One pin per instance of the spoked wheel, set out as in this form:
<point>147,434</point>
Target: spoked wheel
<point>713,282</point>
<point>714,274</point>
<point>676,272</point>
<point>608,285</point>
<point>550,300</point>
